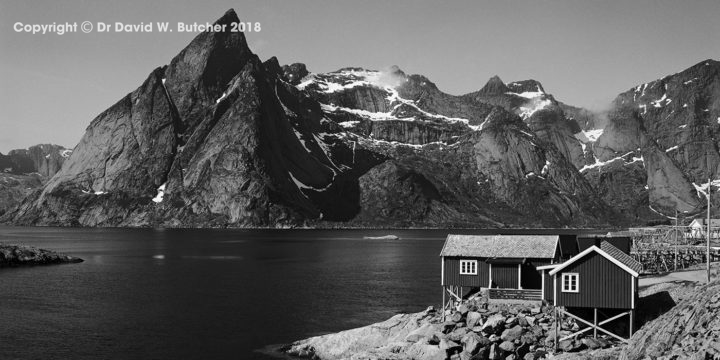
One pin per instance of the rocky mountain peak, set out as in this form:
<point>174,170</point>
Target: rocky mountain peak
<point>272,66</point>
<point>494,86</point>
<point>529,86</point>
<point>202,71</point>
<point>293,73</point>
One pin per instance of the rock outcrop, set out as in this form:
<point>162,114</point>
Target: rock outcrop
<point>475,330</point>
<point>18,255</point>
<point>690,330</point>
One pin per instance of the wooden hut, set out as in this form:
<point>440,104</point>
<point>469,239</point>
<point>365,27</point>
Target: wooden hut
<point>506,264</point>
<point>598,286</point>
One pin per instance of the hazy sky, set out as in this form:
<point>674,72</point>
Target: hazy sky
<point>584,52</point>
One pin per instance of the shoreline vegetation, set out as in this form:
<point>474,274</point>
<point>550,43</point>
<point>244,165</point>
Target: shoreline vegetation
<point>12,255</point>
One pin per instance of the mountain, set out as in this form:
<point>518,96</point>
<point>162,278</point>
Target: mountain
<point>219,138</point>
<point>24,170</point>
<point>661,137</point>
<point>44,159</point>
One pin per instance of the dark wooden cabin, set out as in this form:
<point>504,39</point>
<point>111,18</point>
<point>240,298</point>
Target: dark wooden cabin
<point>601,279</point>
<point>504,262</point>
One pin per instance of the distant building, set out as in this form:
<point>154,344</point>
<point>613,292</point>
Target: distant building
<point>698,227</point>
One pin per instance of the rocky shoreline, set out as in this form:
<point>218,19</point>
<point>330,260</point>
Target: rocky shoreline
<point>19,255</point>
<point>477,330</point>
<point>687,329</point>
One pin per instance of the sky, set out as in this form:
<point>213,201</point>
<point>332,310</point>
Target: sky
<point>583,52</point>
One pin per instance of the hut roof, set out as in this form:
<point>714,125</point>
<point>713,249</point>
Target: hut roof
<point>501,246</point>
<point>611,253</point>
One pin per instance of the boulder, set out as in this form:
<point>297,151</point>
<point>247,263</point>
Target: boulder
<point>522,321</point>
<point>529,338</point>
<point>512,333</point>
<point>472,343</point>
<point>508,346</point>
<point>456,317</point>
<point>457,334</point>
<point>494,324</point>
<point>473,318</point>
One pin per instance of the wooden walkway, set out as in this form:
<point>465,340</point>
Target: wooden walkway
<point>515,294</point>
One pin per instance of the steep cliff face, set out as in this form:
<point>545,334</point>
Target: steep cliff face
<point>544,115</point>
<point>674,123</point>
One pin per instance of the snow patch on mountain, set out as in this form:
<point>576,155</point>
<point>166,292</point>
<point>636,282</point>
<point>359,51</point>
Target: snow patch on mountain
<point>599,163</point>
<point>160,194</point>
<point>702,189</point>
<point>350,78</point>
<point>221,98</point>
<point>658,103</point>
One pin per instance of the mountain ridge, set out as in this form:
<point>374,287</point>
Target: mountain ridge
<point>219,138</point>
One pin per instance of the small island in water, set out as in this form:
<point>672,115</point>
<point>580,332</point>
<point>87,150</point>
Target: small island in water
<point>19,255</point>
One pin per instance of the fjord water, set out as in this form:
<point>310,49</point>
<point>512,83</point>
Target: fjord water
<point>206,294</point>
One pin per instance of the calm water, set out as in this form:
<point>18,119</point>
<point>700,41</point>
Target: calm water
<point>207,294</point>
<point>170,294</point>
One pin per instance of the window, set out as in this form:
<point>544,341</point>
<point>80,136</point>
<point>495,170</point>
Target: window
<point>468,267</point>
<point>570,282</point>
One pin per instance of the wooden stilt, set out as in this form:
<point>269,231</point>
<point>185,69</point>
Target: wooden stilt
<point>632,318</point>
<point>443,304</point>
<point>595,322</point>
<point>557,329</point>
<point>598,327</point>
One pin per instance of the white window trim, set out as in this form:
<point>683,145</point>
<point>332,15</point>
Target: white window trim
<point>474,267</point>
<point>577,282</point>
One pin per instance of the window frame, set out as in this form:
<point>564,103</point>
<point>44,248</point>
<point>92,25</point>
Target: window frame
<point>472,264</point>
<point>570,277</point>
